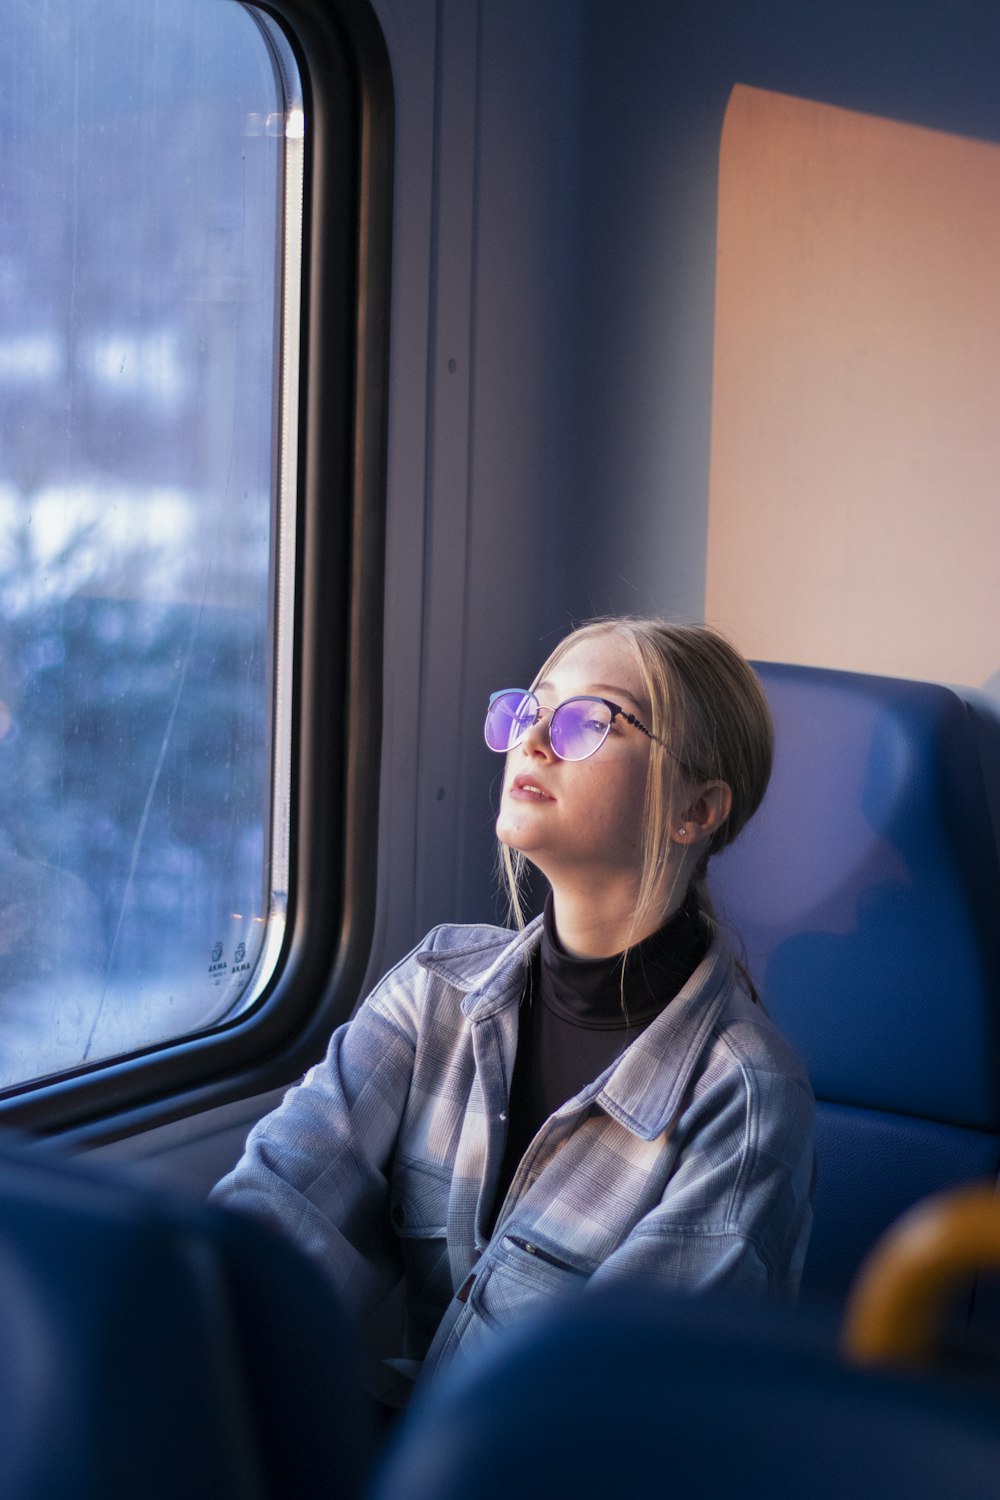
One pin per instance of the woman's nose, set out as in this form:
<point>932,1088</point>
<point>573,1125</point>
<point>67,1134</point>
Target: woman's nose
<point>536,741</point>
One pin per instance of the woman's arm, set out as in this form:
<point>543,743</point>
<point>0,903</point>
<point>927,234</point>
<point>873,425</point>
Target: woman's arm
<point>316,1168</point>
<point>736,1211</point>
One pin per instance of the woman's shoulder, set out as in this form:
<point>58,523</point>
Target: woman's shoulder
<point>464,937</point>
<point>753,1041</point>
<point>472,955</point>
<point>726,1026</point>
<point>432,984</point>
<point>461,954</point>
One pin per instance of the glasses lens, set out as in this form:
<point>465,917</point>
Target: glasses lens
<point>509,717</point>
<point>579,727</point>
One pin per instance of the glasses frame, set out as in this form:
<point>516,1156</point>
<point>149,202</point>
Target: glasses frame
<point>616,709</point>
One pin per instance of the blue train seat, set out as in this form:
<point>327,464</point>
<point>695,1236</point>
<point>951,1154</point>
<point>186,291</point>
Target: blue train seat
<point>159,1348</point>
<point>867,894</point>
<point>637,1392</point>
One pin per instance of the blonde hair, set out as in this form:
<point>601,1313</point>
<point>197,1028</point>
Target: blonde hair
<point>708,706</point>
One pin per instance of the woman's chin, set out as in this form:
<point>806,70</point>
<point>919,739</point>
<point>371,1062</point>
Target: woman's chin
<point>508,832</point>
<point>517,840</point>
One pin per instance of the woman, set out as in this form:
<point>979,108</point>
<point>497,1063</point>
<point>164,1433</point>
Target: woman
<point>512,1116</point>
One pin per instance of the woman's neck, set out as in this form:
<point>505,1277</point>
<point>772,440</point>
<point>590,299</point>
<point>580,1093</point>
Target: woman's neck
<point>601,923</point>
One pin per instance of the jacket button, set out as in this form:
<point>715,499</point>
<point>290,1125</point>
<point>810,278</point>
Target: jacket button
<point>398,1216</point>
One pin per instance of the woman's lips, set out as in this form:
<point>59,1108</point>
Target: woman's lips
<point>527,789</point>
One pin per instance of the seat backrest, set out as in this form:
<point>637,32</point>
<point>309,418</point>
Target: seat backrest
<point>157,1347</point>
<point>867,895</point>
<point>637,1392</point>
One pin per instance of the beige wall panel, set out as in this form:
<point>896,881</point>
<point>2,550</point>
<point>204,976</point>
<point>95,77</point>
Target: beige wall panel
<point>854,514</point>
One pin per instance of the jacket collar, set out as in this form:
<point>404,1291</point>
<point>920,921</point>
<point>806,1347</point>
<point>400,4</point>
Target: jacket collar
<point>646,1086</point>
<point>484,962</point>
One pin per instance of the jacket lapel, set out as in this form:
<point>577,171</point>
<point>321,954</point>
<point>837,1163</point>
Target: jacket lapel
<point>646,1088</point>
<point>491,1004</point>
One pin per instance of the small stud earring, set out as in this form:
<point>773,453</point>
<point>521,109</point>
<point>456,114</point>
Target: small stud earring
<point>682,833</point>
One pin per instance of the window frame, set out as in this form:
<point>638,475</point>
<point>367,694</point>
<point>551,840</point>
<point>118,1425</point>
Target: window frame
<point>336,658</point>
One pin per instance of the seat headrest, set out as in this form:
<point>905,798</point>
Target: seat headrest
<point>633,1391</point>
<point>867,891</point>
<point>160,1347</point>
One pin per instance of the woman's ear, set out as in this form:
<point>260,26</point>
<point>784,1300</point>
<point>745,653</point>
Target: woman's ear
<point>705,814</point>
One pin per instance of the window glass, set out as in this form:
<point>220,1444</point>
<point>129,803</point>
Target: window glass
<point>143,174</point>
<point>853,519</point>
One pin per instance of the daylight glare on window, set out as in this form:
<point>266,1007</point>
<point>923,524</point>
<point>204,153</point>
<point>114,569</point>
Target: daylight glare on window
<point>141,180</point>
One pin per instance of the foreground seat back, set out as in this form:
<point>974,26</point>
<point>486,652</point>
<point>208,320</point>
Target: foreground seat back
<point>636,1392</point>
<point>157,1348</point>
<point>867,894</point>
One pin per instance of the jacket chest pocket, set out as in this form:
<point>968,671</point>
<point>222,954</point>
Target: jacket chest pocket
<point>418,1199</point>
<point>520,1274</point>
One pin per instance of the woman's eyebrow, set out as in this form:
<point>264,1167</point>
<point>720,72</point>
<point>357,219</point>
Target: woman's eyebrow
<point>614,691</point>
<point>600,689</point>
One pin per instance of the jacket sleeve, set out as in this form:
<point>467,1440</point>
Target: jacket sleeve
<point>737,1208</point>
<point>316,1167</point>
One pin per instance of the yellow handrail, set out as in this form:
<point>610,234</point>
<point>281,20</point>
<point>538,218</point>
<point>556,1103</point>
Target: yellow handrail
<point>894,1308</point>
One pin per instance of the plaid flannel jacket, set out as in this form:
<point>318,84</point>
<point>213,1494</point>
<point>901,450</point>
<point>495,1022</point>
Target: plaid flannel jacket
<point>689,1162</point>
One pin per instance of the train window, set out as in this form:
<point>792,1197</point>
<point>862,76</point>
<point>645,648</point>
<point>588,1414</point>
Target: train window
<point>853,519</point>
<point>150,163</point>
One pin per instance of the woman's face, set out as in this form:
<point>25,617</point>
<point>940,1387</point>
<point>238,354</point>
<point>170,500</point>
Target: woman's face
<point>576,817</point>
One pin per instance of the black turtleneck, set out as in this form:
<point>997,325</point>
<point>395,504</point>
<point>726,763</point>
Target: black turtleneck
<point>577,1018</point>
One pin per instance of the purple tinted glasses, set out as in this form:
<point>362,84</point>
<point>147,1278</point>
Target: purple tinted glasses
<point>577,727</point>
